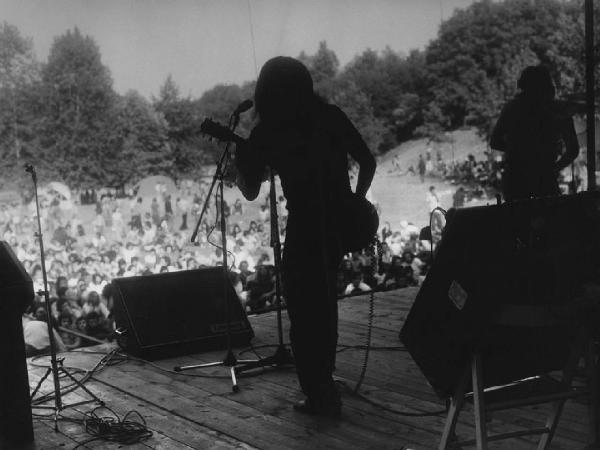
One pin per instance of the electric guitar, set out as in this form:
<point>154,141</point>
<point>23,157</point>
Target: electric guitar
<point>359,218</point>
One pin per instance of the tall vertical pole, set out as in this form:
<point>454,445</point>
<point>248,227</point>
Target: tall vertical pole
<point>590,94</point>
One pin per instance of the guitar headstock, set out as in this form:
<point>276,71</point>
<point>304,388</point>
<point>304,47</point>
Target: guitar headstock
<point>216,130</point>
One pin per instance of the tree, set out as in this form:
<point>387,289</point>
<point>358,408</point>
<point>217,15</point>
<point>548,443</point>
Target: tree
<point>79,104</point>
<point>141,139</point>
<point>218,103</point>
<point>355,103</point>
<point>473,65</point>
<point>168,93</point>
<point>182,127</point>
<point>19,75</point>
<point>408,113</point>
<point>323,66</point>
<point>392,84</point>
<point>343,91</point>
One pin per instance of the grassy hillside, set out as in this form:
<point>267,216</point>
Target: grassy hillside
<point>402,196</point>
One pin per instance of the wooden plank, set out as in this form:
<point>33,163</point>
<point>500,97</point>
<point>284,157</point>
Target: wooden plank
<point>257,422</point>
<point>169,432</point>
<point>194,412</point>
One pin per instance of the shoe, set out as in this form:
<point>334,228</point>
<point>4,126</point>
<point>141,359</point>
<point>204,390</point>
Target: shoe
<point>325,409</point>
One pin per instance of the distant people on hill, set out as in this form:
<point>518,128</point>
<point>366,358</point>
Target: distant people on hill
<point>428,163</point>
<point>433,201</point>
<point>396,167</point>
<point>532,131</point>
<point>458,199</point>
<point>237,207</point>
<point>421,166</point>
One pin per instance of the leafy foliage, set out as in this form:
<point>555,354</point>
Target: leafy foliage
<point>65,116</point>
<point>79,103</point>
<point>19,78</point>
<point>473,65</point>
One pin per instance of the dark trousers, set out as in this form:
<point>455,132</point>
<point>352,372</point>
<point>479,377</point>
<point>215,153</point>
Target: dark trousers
<point>312,308</point>
<point>310,264</point>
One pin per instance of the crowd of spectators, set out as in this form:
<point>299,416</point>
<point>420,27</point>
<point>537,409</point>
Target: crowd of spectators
<point>93,237</point>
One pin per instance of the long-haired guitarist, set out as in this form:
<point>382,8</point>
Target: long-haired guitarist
<point>307,142</point>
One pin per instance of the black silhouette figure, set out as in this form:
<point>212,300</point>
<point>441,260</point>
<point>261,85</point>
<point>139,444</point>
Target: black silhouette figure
<point>537,135</point>
<point>307,142</point>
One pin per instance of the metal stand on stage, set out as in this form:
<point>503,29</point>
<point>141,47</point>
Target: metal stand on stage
<point>282,356</point>
<point>230,360</point>
<point>56,364</point>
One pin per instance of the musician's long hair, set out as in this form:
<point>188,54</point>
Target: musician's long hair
<point>536,82</point>
<point>284,91</point>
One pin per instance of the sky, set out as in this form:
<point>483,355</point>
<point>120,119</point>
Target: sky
<point>202,43</point>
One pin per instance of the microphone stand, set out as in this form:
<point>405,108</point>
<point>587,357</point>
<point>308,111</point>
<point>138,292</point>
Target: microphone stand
<point>282,356</point>
<point>230,360</point>
<point>56,364</point>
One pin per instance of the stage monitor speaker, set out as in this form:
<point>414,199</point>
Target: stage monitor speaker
<point>502,283</point>
<point>177,313</point>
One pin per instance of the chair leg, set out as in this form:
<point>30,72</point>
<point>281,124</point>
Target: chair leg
<point>568,373</point>
<point>592,375</point>
<point>456,403</point>
<point>478,403</point>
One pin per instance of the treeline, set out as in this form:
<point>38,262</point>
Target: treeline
<point>64,115</point>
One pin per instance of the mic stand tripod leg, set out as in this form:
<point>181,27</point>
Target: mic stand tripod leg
<point>229,361</point>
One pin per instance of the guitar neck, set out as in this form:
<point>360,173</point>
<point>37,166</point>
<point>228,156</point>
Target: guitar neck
<point>220,132</point>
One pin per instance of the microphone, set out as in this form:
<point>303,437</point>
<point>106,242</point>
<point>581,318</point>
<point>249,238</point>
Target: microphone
<point>243,107</point>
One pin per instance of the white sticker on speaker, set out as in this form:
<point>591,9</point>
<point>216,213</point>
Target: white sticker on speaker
<point>457,294</point>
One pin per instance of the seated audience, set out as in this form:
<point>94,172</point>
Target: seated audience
<point>96,326</point>
<point>93,304</point>
<point>357,286</point>
<point>399,275</point>
<point>261,288</point>
<point>37,339</point>
<point>70,340</point>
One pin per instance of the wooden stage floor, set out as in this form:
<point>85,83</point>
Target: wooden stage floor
<point>198,412</point>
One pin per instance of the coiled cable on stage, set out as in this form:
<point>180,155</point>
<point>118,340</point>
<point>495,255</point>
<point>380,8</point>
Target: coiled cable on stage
<point>112,428</point>
<point>376,261</point>
<point>377,250</point>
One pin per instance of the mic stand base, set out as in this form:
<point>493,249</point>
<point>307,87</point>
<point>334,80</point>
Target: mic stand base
<point>230,362</point>
<point>281,358</point>
<point>59,369</point>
